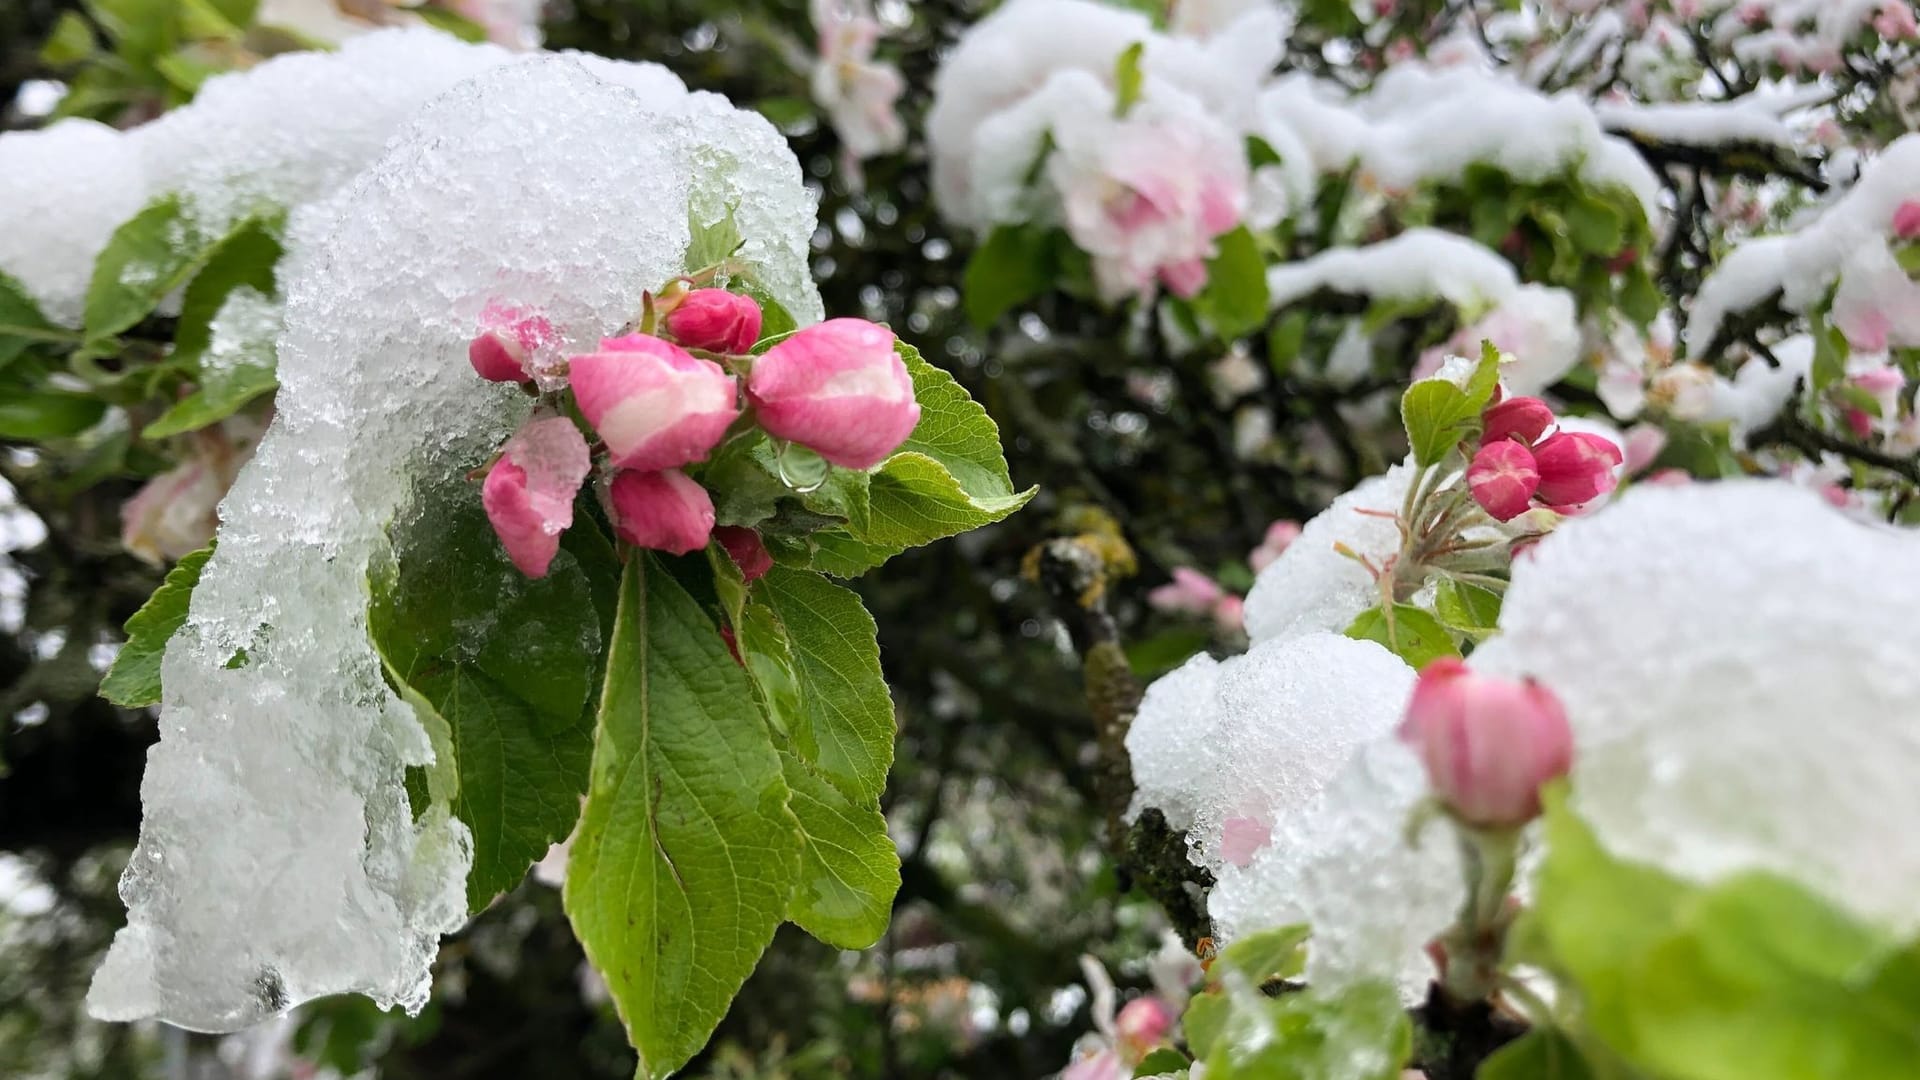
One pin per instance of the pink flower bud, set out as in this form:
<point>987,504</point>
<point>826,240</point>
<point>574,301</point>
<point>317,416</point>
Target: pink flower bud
<point>506,339</point>
<point>1575,467</point>
<point>1141,1025</point>
<point>529,491</point>
<point>839,389</point>
<point>1230,614</point>
<point>1522,418</point>
<point>1502,479</point>
<point>715,320</point>
<point>1488,744</point>
<point>665,510</point>
<point>1906,220</point>
<point>746,549</point>
<point>1644,444</point>
<point>656,405</point>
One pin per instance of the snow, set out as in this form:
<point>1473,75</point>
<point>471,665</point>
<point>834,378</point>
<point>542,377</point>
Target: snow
<point>1846,243</point>
<point>1736,659</point>
<point>1699,123</point>
<point>1258,736</point>
<point>1415,265</point>
<point>278,859</point>
<point>1346,865</point>
<point>63,191</point>
<point>1422,124</point>
<point>1313,587</point>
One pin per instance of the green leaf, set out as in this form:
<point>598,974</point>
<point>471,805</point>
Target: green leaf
<point>48,414</point>
<point>72,42</point>
<point>1594,226</point>
<point>1438,417</point>
<point>1279,953</point>
<point>712,242</point>
<point>845,728</point>
<point>133,682</point>
<point>1357,1033</point>
<point>1205,1019</point>
<point>154,253</point>
<point>509,664</point>
<point>947,478</point>
<point>1409,633</point>
<point>1640,297</point>
<point>1128,78</point>
<point>1165,1061</point>
<point>1235,299</point>
<point>243,266</point>
<point>1470,609</point>
<point>1540,1054</point>
<point>849,869</point>
<point>1014,265</point>
<point>687,854</point>
<point>141,29</point>
<point>1285,340</point>
<point>811,648</point>
<point>1830,352</point>
<point>21,324</point>
<point>1751,975</point>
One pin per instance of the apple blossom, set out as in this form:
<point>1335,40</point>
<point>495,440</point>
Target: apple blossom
<point>1146,195</point>
<point>1906,220</point>
<point>839,389</point>
<point>1280,535</point>
<point>528,494</point>
<point>746,549</point>
<point>1503,477</point>
<point>1488,744</point>
<point>507,339</point>
<point>1143,1024</point>
<point>1575,468</point>
<point>858,93</point>
<point>1241,837</point>
<point>715,320</point>
<point>174,514</point>
<point>664,510</point>
<point>1189,593</point>
<point>1895,21</point>
<point>655,405</point>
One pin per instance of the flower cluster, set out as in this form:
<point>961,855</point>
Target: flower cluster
<point>660,403</point>
<point>1524,462</point>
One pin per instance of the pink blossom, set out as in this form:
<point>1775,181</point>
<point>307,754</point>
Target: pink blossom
<point>1143,1024</point>
<point>174,514</point>
<point>1524,419</point>
<point>1896,21</point>
<point>1488,744</point>
<point>1866,329</point>
<point>1668,478</point>
<point>858,93</point>
<point>1576,468</point>
<point>655,405</point>
<point>1241,837</point>
<point>1189,593</point>
<point>529,492</point>
<point>1906,220</point>
<point>664,510</point>
<point>1100,1064</point>
<point>1146,196</point>
<point>715,320</point>
<point>1643,446</point>
<point>839,389</point>
<point>507,339</point>
<point>1502,479</point>
<point>1280,536</point>
<point>746,549</point>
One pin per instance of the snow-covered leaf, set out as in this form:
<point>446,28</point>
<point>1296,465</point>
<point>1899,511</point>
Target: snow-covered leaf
<point>156,252</point>
<point>1408,632</point>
